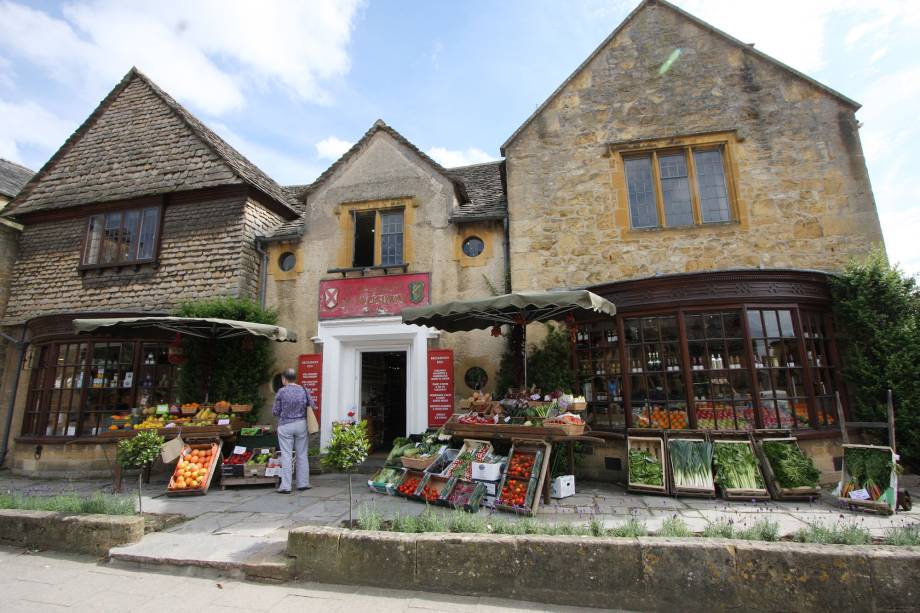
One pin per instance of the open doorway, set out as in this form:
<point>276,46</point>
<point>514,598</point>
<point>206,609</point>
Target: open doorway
<point>383,396</point>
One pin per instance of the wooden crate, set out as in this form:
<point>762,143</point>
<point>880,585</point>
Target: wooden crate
<point>171,489</point>
<point>684,490</point>
<point>655,447</point>
<point>409,474</point>
<point>740,493</point>
<point>469,445</point>
<point>442,485</point>
<point>777,492</point>
<point>887,504</point>
<point>541,450</point>
<point>226,482</point>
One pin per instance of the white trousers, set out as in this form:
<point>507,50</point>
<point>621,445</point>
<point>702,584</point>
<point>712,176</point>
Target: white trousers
<point>294,436</point>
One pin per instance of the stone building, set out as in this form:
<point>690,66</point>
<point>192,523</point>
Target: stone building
<point>703,187</point>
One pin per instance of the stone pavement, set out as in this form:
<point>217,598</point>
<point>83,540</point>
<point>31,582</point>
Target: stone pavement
<point>251,524</point>
<point>58,582</point>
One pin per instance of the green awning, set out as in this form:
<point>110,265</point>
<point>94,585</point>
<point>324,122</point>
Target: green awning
<point>515,308</point>
<point>208,328</point>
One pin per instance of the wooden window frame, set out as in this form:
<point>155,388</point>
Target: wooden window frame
<point>347,213</point>
<point>141,208</point>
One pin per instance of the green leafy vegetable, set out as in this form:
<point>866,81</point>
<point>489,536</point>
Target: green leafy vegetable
<point>691,462</point>
<point>736,466</point>
<point>644,469</point>
<point>790,465</point>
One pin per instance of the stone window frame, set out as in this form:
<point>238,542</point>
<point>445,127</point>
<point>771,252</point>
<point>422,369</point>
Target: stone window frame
<point>346,211</point>
<point>142,208</point>
<point>726,141</point>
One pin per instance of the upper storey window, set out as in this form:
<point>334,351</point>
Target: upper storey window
<point>378,238</point>
<point>677,187</point>
<point>118,237</point>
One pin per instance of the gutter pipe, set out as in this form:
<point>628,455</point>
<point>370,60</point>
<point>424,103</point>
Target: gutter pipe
<point>21,345</point>
<point>263,270</point>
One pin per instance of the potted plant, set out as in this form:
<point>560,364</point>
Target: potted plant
<point>138,453</point>
<point>347,448</point>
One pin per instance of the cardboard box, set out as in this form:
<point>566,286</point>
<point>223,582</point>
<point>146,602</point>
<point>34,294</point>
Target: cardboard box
<point>563,486</point>
<point>487,471</point>
<point>492,487</point>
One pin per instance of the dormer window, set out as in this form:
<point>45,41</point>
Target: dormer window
<point>120,237</point>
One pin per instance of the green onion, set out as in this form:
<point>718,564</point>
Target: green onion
<point>691,463</point>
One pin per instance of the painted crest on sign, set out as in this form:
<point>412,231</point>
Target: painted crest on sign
<point>331,297</point>
<point>416,292</point>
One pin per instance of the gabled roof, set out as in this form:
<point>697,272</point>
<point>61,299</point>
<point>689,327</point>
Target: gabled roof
<point>13,177</point>
<point>702,24</point>
<point>485,185</point>
<point>138,142</point>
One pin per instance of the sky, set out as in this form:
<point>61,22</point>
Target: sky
<point>292,84</point>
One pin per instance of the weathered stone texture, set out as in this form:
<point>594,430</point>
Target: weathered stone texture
<point>9,241</point>
<point>200,257</point>
<point>257,221</point>
<point>803,189</point>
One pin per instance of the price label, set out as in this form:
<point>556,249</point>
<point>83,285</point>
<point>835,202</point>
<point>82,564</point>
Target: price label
<point>223,422</point>
<point>239,450</point>
<point>265,451</point>
<point>162,409</point>
<point>862,494</point>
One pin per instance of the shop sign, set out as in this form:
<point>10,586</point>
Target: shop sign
<point>373,296</point>
<point>440,386</point>
<point>310,376</point>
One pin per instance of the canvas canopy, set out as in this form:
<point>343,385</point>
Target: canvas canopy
<point>516,308</point>
<point>207,328</point>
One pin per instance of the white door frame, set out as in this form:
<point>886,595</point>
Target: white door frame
<point>359,374</point>
<point>344,340</point>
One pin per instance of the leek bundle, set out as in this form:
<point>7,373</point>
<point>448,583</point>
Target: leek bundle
<point>691,462</point>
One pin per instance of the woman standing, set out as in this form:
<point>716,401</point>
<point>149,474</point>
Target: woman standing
<point>291,405</point>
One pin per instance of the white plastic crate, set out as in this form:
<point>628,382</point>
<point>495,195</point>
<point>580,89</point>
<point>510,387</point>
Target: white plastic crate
<point>563,486</point>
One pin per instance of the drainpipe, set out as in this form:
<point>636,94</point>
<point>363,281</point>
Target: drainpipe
<point>507,247</point>
<point>263,270</point>
<point>21,345</point>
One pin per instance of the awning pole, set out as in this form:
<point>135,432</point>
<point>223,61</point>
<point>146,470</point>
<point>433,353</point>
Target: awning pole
<point>524,351</point>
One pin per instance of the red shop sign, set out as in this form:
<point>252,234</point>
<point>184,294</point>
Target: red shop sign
<point>310,376</point>
<point>440,386</point>
<point>373,296</point>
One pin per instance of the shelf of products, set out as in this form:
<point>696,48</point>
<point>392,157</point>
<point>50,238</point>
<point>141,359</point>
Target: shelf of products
<point>599,374</point>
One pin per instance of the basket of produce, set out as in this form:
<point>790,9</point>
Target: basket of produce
<point>417,461</point>
<point>411,479</point>
<point>240,408</point>
<point>222,406</point>
<point>790,474</point>
<point>738,471</point>
<point>118,422</point>
<point>569,423</point>
<point>194,470</point>
<point>869,479</point>
<point>386,480</point>
<point>190,408</point>
<point>646,463</point>
<point>691,467</point>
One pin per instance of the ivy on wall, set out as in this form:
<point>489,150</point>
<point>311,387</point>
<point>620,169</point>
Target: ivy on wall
<point>237,367</point>
<point>877,316</point>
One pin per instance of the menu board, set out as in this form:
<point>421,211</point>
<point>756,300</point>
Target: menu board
<point>310,376</point>
<point>440,386</point>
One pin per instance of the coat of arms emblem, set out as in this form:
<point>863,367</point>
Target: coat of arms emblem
<point>331,297</point>
<point>416,292</point>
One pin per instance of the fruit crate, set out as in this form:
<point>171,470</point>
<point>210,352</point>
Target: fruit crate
<point>465,495</point>
<point>686,490</point>
<point>540,451</point>
<point>654,446</point>
<point>434,489</point>
<point>257,469</point>
<point>173,489</point>
<point>743,494</point>
<point>479,449</point>
<point>777,492</point>
<point>410,477</point>
<point>887,502</point>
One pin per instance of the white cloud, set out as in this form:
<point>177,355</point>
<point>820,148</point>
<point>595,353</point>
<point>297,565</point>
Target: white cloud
<point>283,168</point>
<point>332,148</point>
<point>450,158</point>
<point>206,52</point>
<point>28,123</point>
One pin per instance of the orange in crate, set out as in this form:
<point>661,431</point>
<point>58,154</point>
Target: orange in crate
<point>194,469</point>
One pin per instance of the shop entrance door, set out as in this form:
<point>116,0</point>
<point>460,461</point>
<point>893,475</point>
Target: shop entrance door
<point>383,396</point>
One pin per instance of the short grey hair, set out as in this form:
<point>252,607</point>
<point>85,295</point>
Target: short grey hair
<point>289,374</point>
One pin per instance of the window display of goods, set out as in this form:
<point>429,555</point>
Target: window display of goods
<point>721,417</point>
<point>644,468</point>
<point>691,463</point>
<point>736,466</point>
<point>522,464</point>
<point>514,493</point>
<point>660,417</point>
<point>410,483</point>
<point>790,465</point>
<point>193,469</point>
<point>151,422</point>
<point>869,469</point>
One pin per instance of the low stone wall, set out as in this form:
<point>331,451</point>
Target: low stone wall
<point>630,573</point>
<point>90,534</point>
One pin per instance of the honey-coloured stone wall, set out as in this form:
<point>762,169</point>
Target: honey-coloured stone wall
<point>802,192</point>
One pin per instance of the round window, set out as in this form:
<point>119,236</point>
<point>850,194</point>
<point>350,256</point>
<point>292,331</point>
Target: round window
<point>277,383</point>
<point>287,261</point>
<point>473,246</point>
<point>476,378</point>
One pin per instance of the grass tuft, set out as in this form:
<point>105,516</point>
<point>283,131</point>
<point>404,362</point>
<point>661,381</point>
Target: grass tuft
<point>904,536</point>
<point>674,526</point>
<point>102,504</point>
<point>631,529</point>
<point>763,530</point>
<point>369,518</point>
<point>461,521</point>
<point>719,529</point>
<point>839,534</point>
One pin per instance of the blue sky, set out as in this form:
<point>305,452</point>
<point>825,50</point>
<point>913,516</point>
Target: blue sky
<point>292,84</point>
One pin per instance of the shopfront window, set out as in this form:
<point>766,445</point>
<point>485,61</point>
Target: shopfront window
<point>75,386</point>
<point>735,368</point>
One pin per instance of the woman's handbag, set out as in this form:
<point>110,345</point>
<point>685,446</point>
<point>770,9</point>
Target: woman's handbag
<point>312,423</point>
